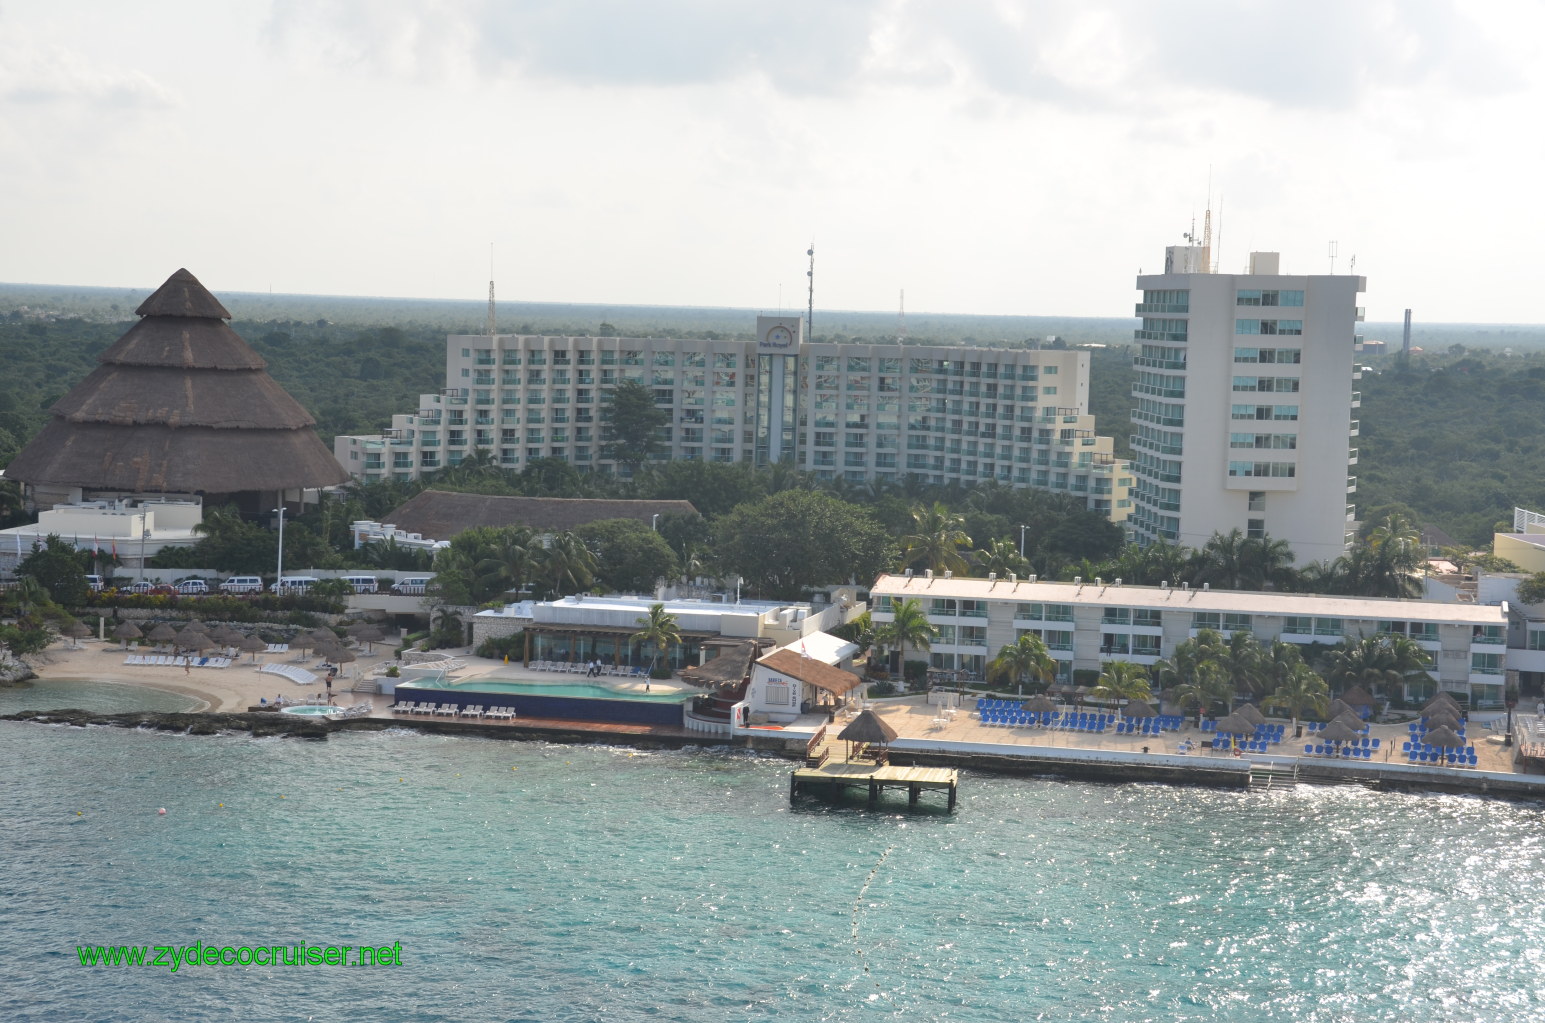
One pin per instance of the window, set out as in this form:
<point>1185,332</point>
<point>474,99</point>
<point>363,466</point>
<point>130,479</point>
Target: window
<point>776,693</point>
<point>1117,616</point>
<point>1281,441</point>
<point>1115,644</point>
<point>1145,646</point>
<point>1255,529</point>
<point>1035,612</point>
<point>1486,664</point>
<point>1206,620</point>
<point>1536,639</point>
<point>1297,626</point>
<point>1257,500</point>
<point>973,635</point>
<point>1329,627</point>
<point>1236,623</point>
<point>1146,617</point>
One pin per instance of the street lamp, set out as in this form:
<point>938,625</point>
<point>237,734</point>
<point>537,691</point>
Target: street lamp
<point>144,535</point>
<point>1022,540</point>
<point>280,510</point>
<point>654,522</point>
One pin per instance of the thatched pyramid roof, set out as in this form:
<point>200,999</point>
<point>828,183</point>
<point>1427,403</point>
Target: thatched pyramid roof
<point>180,404</point>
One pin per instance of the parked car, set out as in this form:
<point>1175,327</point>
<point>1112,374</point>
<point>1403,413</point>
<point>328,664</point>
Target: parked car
<point>242,584</point>
<point>295,584</point>
<point>139,587</point>
<point>412,586</point>
<point>193,587</point>
<point>361,583</point>
<point>162,590</point>
<point>94,583</point>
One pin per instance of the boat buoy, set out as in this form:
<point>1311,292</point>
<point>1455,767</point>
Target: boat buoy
<point>161,812</point>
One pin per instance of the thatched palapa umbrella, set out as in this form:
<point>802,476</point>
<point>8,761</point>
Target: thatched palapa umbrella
<point>1040,704</point>
<point>1339,731</point>
<point>1236,724</point>
<point>1337,708</point>
<point>1251,713</point>
<point>252,645</point>
<point>1442,720</point>
<point>1352,721</point>
<point>1139,709</point>
<point>1358,697</point>
<point>163,633</point>
<point>126,631</point>
<point>1444,738</point>
<point>372,634</point>
<point>868,729</point>
<point>1443,702</point>
<point>76,630</point>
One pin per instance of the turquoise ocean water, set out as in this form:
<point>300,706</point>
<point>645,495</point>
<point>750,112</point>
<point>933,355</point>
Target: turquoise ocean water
<point>535,882</point>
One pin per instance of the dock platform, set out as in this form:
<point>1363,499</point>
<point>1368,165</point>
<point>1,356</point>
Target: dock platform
<point>876,778</point>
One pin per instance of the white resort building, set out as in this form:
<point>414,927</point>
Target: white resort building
<point>854,412</point>
<point>1243,404</point>
<point>1086,624</point>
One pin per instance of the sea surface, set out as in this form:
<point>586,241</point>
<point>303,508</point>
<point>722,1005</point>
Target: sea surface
<point>528,881</point>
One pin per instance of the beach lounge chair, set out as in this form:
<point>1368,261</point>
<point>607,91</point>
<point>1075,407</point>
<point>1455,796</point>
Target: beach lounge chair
<point>403,707</point>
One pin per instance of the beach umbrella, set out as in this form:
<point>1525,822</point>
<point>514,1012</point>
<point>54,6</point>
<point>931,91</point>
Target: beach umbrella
<point>1444,738</point>
<point>1338,708</point>
<point>1040,704</point>
<point>196,626</point>
<point>1339,731</point>
<point>252,645</point>
<point>321,635</point>
<point>1442,720</point>
<point>75,630</point>
<point>369,635</point>
<point>163,633</point>
<point>1358,697</point>
<point>1251,713</point>
<point>358,627</point>
<point>343,656</point>
<point>1138,709</point>
<point>126,631</point>
<point>1351,720</point>
<point>867,729</point>
<point>194,641</point>
<point>1236,724</point>
<point>1443,702</point>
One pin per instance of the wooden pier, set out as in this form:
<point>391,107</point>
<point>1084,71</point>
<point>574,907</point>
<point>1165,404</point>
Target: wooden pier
<point>876,778</point>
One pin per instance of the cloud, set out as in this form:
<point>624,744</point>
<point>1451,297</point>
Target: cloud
<point>41,74</point>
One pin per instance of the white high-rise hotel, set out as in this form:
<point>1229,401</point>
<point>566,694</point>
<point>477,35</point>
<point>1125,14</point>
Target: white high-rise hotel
<point>1243,404</point>
<point>839,411</point>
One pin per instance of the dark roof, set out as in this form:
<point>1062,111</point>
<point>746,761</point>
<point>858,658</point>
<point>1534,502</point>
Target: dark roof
<point>441,514</point>
<point>180,404</point>
<point>730,665</point>
<point>868,727</point>
<point>808,669</point>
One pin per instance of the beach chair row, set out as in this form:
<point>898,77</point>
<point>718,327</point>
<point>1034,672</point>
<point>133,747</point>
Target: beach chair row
<point>1419,731</point>
<point>452,710</point>
<point>1319,726</point>
<point>167,660</point>
<point>1322,749</point>
<point>1017,718</point>
<point>583,668</point>
<point>1448,758</point>
<point>277,648</point>
<point>300,676</point>
<point>1079,722</point>
<point>1247,745</point>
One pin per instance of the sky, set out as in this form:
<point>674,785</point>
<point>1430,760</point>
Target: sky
<point>1013,157</point>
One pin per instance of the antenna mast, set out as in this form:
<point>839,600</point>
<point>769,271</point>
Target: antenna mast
<point>810,299</point>
<point>490,327</point>
<point>901,320</point>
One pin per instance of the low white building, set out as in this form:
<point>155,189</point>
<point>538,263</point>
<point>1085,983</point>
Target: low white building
<point>800,678</point>
<point>132,529</point>
<point>1087,624</point>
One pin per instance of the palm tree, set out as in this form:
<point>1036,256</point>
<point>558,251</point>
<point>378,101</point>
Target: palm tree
<point>1207,687</point>
<point>1025,658</point>
<point>1123,681</point>
<point>909,626</point>
<point>1299,689</point>
<point>1241,660</point>
<point>1197,673</point>
<point>936,540</point>
<point>566,562</point>
<point>512,563</point>
<point>1371,663</point>
<point>1001,558</point>
<point>659,629</point>
<point>1224,561</point>
<point>1269,564</point>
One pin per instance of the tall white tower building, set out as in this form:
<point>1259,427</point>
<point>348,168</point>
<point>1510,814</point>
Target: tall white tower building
<point>1244,404</point>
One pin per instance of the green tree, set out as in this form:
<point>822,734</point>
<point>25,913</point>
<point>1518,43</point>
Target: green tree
<point>509,562</point>
<point>565,564</point>
<point>59,568</point>
<point>909,627</point>
<point>1532,589</point>
<point>936,540</point>
<point>1295,687</point>
<point>795,540</point>
<point>1024,660</point>
<point>630,556</point>
<point>1002,558</point>
<point>631,433</point>
<point>1122,681</point>
<point>658,628</point>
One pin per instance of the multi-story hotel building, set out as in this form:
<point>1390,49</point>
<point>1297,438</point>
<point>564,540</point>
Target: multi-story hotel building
<point>1087,624</point>
<point>1244,404</point>
<point>854,412</point>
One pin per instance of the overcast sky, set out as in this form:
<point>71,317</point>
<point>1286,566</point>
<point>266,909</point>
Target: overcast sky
<point>1016,157</point>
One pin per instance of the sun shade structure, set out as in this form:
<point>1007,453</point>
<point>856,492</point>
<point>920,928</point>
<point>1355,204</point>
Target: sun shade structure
<point>179,405</point>
<point>442,514</point>
<point>1358,697</point>
<point>732,664</point>
<point>868,727</point>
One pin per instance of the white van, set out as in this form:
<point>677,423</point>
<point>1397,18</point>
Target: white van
<point>94,583</point>
<point>361,583</point>
<point>193,587</point>
<point>412,586</point>
<point>242,584</point>
<point>295,584</point>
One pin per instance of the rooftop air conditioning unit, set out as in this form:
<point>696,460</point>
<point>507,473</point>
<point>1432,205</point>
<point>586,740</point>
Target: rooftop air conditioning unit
<point>1118,582</point>
<point>1098,581</point>
<point>1013,578</point>
<point>1206,586</point>
<point>1164,584</point>
<point>908,573</point>
<point>1078,580</point>
<point>948,574</point>
<point>1033,578</point>
<point>1185,586</point>
<point>992,577</point>
<point>927,573</point>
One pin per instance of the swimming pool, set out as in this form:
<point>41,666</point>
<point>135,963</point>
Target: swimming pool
<point>310,711</point>
<point>573,701</point>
